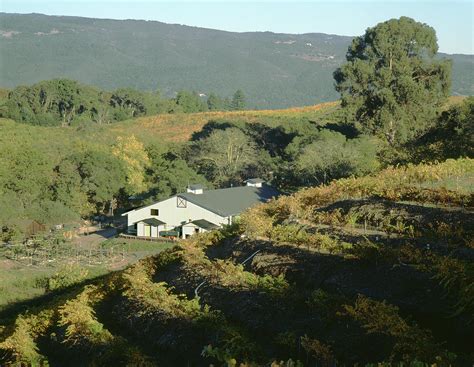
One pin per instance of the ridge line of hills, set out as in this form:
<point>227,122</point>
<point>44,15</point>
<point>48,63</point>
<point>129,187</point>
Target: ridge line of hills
<point>275,70</point>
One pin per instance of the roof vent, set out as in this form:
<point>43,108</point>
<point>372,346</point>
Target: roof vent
<point>254,182</point>
<point>195,189</point>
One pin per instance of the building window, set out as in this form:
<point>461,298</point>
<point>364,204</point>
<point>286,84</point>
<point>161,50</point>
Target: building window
<point>154,212</point>
<point>181,202</point>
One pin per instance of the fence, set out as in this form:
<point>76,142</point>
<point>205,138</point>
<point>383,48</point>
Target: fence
<point>27,254</point>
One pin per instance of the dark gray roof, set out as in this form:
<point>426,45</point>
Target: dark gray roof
<point>232,200</point>
<point>202,223</point>
<point>255,180</point>
<point>196,187</point>
<point>152,221</point>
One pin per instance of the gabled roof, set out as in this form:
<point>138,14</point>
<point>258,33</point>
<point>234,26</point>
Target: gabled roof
<point>152,221</point>
<point>205,224</point>
<point>232,200</point>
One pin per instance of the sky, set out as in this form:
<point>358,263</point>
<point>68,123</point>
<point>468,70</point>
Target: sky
<point>452,19</point>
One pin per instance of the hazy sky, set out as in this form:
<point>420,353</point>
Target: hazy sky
<point>453,20</point>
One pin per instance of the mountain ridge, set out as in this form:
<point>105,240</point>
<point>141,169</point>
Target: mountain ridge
<point>275,70</point>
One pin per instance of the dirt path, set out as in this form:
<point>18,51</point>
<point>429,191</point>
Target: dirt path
<point>94,239</point>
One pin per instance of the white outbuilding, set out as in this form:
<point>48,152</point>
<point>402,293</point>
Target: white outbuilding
<point>197,210</point>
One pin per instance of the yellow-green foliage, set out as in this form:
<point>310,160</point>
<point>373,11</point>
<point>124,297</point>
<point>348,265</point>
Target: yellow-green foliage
<point>225,356</point>
<point>319,351</point>
<point>66,276</point>
<point>132,152</point>
<point>20,347</point>
<point>324,303</point>
<point>236,275</point>
<point>78,317</point>
<point>457,277</point>
<point>332,218</point>
<point>180,127</point>
<point>288,233</point>
<point>156,297</point>
<point>226,272</point>
<point>257,223</point>
<point>381,318</point>
<point>288,363</point>
<point>403,183</point>
<point>206,239</point>
<point>374,253</point>
<point>277,285</point>
<point>232,346</point>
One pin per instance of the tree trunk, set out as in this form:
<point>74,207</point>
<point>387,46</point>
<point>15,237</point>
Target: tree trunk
<point>391,134</point>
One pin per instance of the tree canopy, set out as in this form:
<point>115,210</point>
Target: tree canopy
<point>225,154</point>
<point>392,84</point>
<point>67,102</point>
<point>238,100</point>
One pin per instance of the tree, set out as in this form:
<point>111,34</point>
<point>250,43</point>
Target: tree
<point>25,171</point>
<point>52,102</point>
<point>66,188</point>
<point>391,84</point>
<point>215,103</point>
<point>190,102</point>
<point>238,101</point>
<point>168,173</point>
<point>331,156</point>
<point>102,176</point>
<point>129,102</point>
<point>225,155</point>
<point>451,137</point>
<point>135,159</point>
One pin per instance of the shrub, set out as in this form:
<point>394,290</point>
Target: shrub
<point>457,277</point>
<point>409,342</point>
<point>65,277</point>
<point>78,317</point>
<point>274,285</point>
<point>20,347</point>
<point>153,297</point>
<point>317,350</point>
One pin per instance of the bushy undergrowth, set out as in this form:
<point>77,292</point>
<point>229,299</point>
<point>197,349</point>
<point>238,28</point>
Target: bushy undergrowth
<point>409,341</point>
<point>150,297</point>
<point>20,346</point>
<point>66,276</point>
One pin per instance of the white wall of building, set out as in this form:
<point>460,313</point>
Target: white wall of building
<point>173,216</point>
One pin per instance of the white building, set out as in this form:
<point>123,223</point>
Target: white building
<point>197,210</point>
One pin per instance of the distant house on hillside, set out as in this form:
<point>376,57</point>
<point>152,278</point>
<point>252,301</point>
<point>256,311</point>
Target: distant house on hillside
<point>197,210</point>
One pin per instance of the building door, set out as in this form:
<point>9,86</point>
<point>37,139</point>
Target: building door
<point>147,230</point>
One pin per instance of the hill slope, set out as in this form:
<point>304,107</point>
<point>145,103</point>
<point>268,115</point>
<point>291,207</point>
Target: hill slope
<point>274,70</point>
<point>340,275</point>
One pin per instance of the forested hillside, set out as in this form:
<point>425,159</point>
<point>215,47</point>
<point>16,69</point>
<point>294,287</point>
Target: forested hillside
<point>274,70</point>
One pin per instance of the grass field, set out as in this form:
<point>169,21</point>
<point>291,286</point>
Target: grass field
<point>170,127</point>
<point>21,281</point>
<point>180,127</point>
